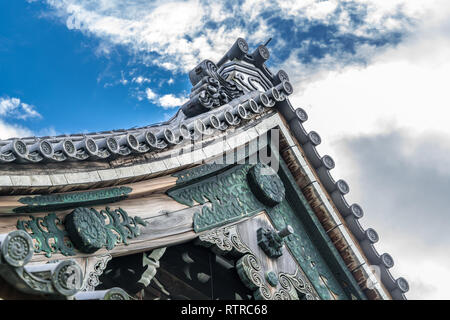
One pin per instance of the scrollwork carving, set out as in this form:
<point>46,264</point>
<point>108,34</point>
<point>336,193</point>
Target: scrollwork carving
<point>92,274</point>
<point>224,240</point>
<point>270,287</point>
<point>266,285</point>
<point>295,282</point>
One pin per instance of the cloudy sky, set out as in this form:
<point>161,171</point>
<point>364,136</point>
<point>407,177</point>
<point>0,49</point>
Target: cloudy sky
<point>373,76</point>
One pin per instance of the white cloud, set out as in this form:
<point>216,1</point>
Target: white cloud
<point>150,94</point>
<point>402,179</point>
<point>366,100</point>
<point>170,101</point>
<point>159,28</point>
<point>13,131</point>
<point>140,80</point>
<point>403,87</point>
<point>311,9</point>
<point>425,267</point>
<point>180,35</point>
<point>166,101</point>
<point>14,108</point>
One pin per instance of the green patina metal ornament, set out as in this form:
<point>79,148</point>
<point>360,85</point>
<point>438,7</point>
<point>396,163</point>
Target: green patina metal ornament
<point>89,232</point>
<point>266,184</point>
<point>231,199</point>
<point>84,229</point>
<point>272,278</point>
<point>87,229</point>
<point>48,234</point>
<point>271,242</point>
<point>199,172</point>
<point>73,199</point>
<point>266,285</point>
<point>229,194</point>
<point>288,287</point>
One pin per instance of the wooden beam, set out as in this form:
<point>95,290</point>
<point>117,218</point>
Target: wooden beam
<point>150,206</point>
<point>162,230</point>
<point>138,189</point>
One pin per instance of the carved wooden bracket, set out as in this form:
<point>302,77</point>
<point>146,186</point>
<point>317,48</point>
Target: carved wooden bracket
<point>93,270</point>
<point>269,279</point>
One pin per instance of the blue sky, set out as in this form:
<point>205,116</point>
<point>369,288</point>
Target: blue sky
<point>372,75</point>
<point>74,88</point>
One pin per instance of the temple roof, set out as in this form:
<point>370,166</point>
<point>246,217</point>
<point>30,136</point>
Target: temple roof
<point>214,95</point>
<point>224,96</point>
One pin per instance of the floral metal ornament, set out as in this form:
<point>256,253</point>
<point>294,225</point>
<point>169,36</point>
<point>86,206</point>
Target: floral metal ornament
<point>191,174</point>
<point>241,191</point>
<point>48,235</point>
<point>88,230</point>
<point>84,229</point>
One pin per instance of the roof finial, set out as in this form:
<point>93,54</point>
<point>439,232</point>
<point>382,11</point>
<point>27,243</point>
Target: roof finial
<point>267,42</point>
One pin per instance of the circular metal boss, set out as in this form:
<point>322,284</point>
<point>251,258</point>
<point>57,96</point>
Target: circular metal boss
<point>266,185</point>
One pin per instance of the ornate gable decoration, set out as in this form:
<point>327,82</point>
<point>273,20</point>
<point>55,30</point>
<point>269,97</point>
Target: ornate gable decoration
<point>238,74</point>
